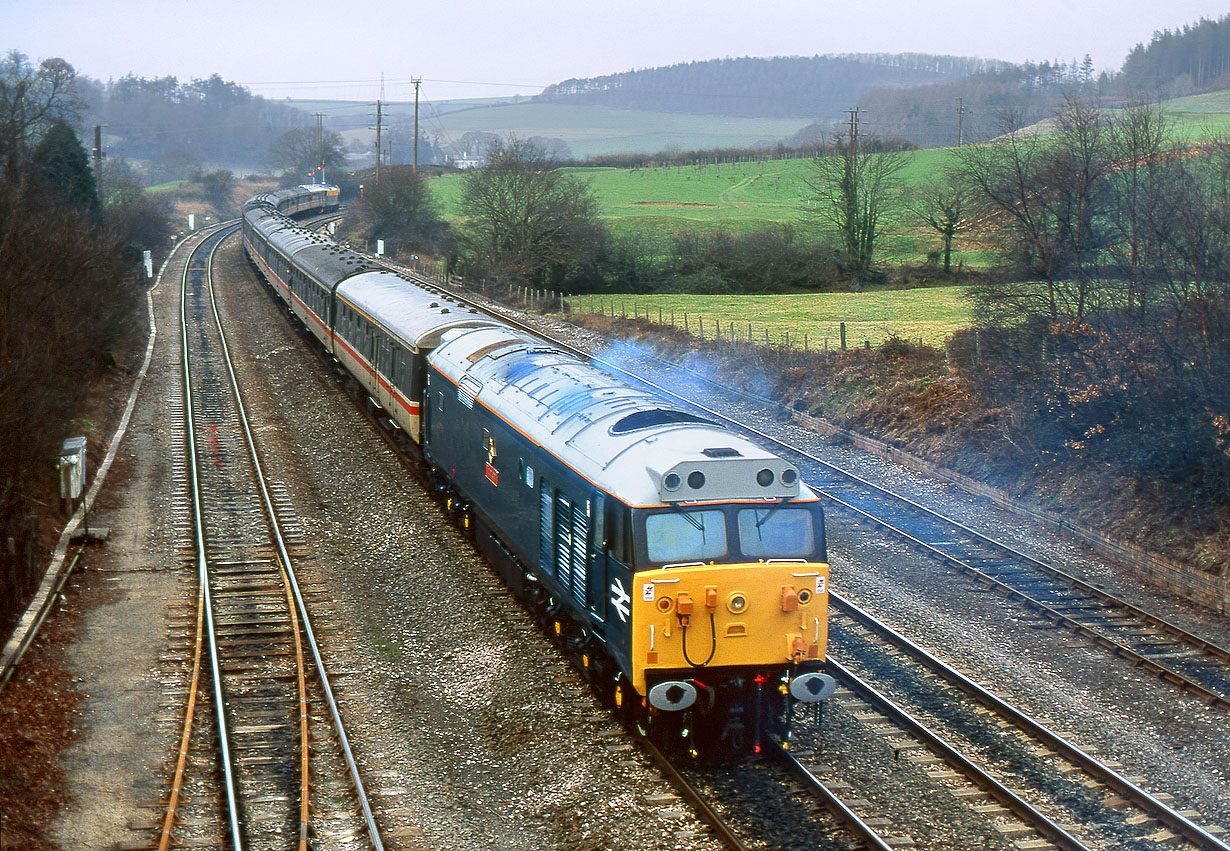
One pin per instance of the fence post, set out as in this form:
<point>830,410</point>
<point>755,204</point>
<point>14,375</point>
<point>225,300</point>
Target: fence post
<point>843,336</point>
<point>701,325</point>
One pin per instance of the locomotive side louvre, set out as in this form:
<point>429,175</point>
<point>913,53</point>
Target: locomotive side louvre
<point>525,498</point>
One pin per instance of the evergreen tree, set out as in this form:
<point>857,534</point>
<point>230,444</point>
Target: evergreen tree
<point>60,162</point>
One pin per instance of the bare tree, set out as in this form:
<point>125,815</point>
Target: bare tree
<point>298,152</point>
<point>524,216</point>
<point>856,196</point>
<point>31,99</point>
<point>1008,175</point>
<point>1124,359</point>
<point>1138,139</point>
<point>947,206</point>
<point>401,210</point>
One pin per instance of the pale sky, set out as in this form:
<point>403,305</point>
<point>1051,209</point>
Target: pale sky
<point>339,49</point>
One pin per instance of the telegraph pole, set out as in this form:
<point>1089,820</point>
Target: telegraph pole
<point>379,123</point>
<point>960,119</point>
<point>853,145</point>
<point>98,158</point>
<point>378,149</point>
<point>417,82</point>
<point>320,145</point>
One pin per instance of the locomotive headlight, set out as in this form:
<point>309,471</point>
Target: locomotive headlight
<point>764,478</point>
<point>671,481</point>
<point>804,596</point>
<point>665,604</point>
<point>789,477</point>
<point>696,480</point>
<point>737,603</point>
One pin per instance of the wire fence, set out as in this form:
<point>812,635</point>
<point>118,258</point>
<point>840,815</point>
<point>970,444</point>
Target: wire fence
<point>20,572</point>
<point>716,329</point>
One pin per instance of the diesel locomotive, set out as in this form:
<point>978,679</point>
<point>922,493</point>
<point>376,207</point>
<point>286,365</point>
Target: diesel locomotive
<point>681,566</point>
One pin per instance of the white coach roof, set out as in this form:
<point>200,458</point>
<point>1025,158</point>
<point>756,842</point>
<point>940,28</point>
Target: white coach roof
<point>415,316</point>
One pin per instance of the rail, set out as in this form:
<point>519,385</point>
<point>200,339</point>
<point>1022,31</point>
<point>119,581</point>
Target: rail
<point>300,618</point>
<point>1130,791</point>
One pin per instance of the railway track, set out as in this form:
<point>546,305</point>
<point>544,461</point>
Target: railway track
<point>741,831</point>
<point>285,772</point>
<point>1077,801</point>
<point>1148,641</point>
<point>1116,808</point>
<point>858,832</point>
<point>1037,784</point>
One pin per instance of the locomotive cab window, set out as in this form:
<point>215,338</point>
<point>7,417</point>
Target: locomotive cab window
<point>772,531</point>
<point>677,536</point>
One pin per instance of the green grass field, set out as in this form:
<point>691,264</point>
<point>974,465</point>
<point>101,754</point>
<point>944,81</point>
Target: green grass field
<point>740,196</point>
<point>164,187</point>
<point>1198,116</point>
<point>930,315</point>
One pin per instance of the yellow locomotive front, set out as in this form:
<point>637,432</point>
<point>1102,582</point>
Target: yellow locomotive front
<point>728,616</point>
<point>728,603</point>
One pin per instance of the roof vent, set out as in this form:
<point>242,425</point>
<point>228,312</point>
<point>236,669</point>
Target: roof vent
<point>721,452</point>
<point>655,417</point>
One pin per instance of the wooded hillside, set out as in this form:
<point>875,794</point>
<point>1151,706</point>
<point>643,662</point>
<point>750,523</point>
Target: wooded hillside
<point>778,87</point>
<point>1193,59</point>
